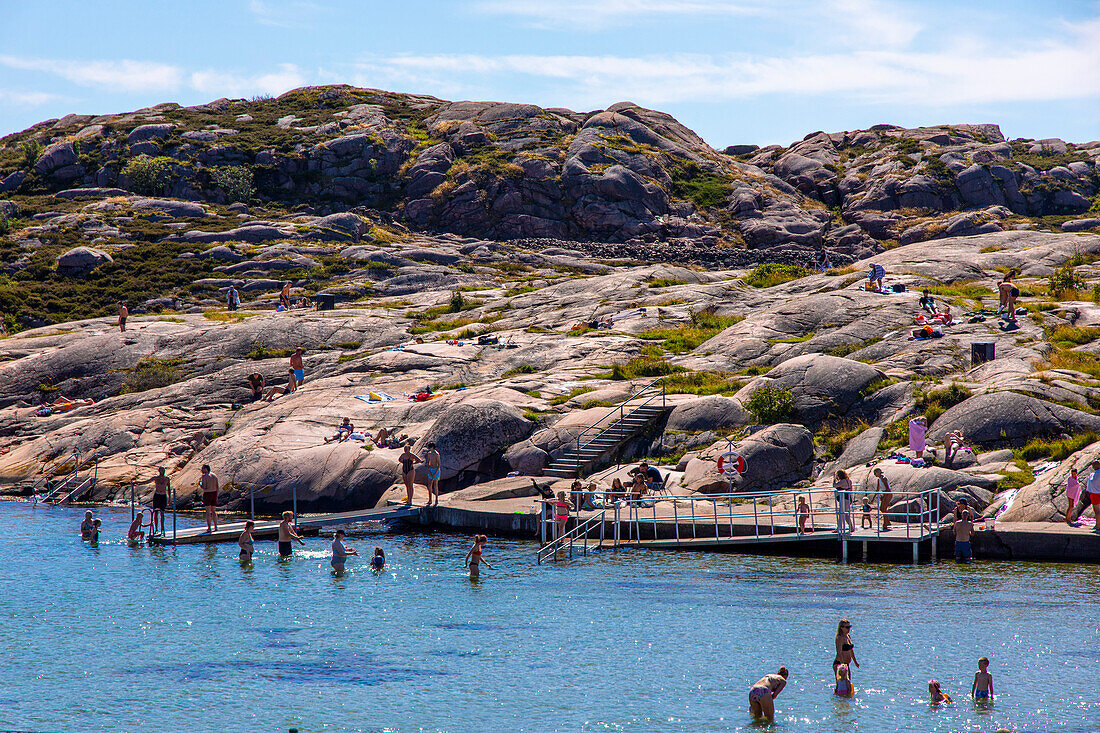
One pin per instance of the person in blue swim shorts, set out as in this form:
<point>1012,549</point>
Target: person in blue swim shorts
<point>433,462</point>
<point>982,689</point>
<point>964,527</point>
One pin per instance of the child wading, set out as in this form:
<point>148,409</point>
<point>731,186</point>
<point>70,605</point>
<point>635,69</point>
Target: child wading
<point>982,689</point>
<point>474,560</point>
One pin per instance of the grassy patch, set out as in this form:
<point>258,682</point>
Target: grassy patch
<point>933,403</point>
<point>702,383</point>
<point>152,373</point>
<point>793,339</point>
<point>1056,450</point>
<point>1065,334</point>
<point>961,289</point>
<point>1017,479</point>
<point>665,282</point>
<point>260,351</point>
<point>770,404</point>
<point>846,349</point>
<point>224,316</point>
<point>521,369</point>
<point>649,363</point>
<point>703,189</point>
<point>1078,361</point>
<point>684,338</point>
<point>833,436</point>
<point>897,434</point>
<point>563,398</point>
<point>771,274</point>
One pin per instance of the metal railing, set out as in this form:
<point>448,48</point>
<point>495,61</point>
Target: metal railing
<point>568,540</point>
<point>50,471</point>
<point>614,419</point>
<point>748,516</point>
<point>63,487</point>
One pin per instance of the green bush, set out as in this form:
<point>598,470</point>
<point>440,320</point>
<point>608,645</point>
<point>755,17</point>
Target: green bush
<point>934,404</point>
<point>152,373</point>
<point>521,369</point>
<point>772,273</point>
<point>235,181</point>
<point>770,405</point>
<point>5,225</point>
<point>149,175</point>
<point>649,363</point>
<point>1065,279</point>
<point>29,153</point>
<point>458,302</point>
<point>260,351</point>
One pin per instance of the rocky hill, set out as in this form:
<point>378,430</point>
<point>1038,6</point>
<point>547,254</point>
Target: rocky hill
<point>599,250</point>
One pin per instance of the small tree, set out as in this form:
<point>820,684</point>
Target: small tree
<point>149,175</point>
<point>770,405</point>
<point>29,153</point>
<point>235,181</point>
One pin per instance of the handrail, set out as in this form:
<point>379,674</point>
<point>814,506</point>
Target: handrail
<point>50,471</point>
<point>619,420</point>
<point>581,531</point>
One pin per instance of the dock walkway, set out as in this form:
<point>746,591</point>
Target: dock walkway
<point>264,530</point>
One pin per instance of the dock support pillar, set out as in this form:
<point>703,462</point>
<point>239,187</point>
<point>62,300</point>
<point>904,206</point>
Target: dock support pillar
<point>844,551</point>
<point>865,543</point>
<point>916,553</point>
<point>935,542</point>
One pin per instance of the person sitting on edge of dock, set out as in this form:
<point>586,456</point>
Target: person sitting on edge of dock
<point>87,527</point>
<point>286,534</point>
<point>339,551</point>
<point>246,543</point>
<point>208,484</point>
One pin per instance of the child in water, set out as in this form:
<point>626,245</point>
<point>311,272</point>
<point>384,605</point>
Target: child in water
<point>96,524</point>
<point>379,560</point>
<point>866,522</point>
<point>936,695</point>
<point>135,533</point>
<point>843,681</point>
<point>87,527</point>
<point>473,557</point>
<point>982,689</point>
<point>802,514</point>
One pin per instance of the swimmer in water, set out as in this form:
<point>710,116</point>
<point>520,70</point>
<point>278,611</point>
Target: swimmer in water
<point>87,527</point>
<point>843,682</point>
<point>936,695</point>
<point>379,560</point>
<point>340,552</point>
<point>762,695</point>
<point>246,543</point>
<point>473,557</point>
<point>96,524</point>
<point>135,533</point>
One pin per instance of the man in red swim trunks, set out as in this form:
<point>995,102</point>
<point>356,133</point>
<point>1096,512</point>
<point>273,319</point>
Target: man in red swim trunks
<point>208,483</point>
<point>1093,487</point>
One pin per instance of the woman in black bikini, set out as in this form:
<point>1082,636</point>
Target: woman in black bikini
<point>845,649</point>
<point>408,472</point>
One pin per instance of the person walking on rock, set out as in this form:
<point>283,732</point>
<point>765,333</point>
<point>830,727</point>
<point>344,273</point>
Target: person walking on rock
<point>123,314</point>
<point>435,469</point>
<point>408,463</point>
<point>233,298</point>
<point>161,487</point>
<point>208,483</point>
<point>297,366</point>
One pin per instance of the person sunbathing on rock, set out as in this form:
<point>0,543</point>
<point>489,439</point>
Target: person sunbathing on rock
<point>291,386</point>
<point>342,432</point>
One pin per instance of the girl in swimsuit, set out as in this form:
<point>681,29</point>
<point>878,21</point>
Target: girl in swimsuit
<point>135,534</point>
<point>246,543</point>
<point>561,513</point>
<point>843,682</point>
<point>845,649</point>
<point>473,557</point>
<point>379,560</point>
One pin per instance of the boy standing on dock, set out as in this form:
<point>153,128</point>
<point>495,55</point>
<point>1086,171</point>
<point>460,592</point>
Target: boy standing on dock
<point>208,483</point>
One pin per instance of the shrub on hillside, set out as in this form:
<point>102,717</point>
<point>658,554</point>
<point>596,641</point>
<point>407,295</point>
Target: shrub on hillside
<point>148,175</point>
<point>770,405</point>
<point>235,181</point>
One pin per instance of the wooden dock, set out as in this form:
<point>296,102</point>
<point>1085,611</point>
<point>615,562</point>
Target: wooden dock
<point>268,530</point>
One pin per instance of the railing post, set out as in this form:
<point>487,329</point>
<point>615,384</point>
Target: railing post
<point>294,488</point>
<point>714,505</point>
<point>755,519</point>
<point>691,501</point>
<point>252,500</point>
<point>542,522</point>
<point>173,513</point>
<point>132,500</point>
<point>676,519</point>
<point>616,505</point>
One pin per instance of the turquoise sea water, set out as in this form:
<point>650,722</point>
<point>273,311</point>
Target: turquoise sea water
<point>113,638</point>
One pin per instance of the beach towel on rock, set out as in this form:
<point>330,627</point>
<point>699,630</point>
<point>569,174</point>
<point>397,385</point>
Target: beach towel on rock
<point>917,431</point>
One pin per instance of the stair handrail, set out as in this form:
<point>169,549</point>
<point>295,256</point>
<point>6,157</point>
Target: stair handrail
<point>621,416</point>
<point>47,475</point>
<point>80,490</point>
<point>551,549</point>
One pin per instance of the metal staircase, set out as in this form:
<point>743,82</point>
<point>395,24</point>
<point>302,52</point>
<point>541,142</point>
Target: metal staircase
<point>626,420</point>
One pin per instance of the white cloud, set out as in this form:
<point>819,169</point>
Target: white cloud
<point>27,99</point>
<point>284,13</point>
<point>225,84</point>
<point>594,14</point>
<point>966,71</point>
<point>123,75</point>
<point>871,22</point>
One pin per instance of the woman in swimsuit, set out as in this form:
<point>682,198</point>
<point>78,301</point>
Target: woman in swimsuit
<point>884,498</point>
<point>561,513</point>
<point>762,695</point>
<point>340,552</point>
<point>842,485</point>
<point>246,543</point>
<point>87,527</point>
<point>845,649</point>
<point>408,463</point>
<point>473,557</point>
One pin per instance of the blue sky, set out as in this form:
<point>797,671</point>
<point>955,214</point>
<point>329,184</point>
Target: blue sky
<point>735,71</point>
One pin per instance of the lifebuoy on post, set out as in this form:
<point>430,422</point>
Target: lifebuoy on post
<point>730,463</point>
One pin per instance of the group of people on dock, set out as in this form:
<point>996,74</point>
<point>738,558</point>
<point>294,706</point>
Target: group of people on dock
<point>764,691</point>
